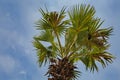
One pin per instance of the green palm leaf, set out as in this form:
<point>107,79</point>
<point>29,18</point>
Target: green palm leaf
<point>45,36</point>
<point>85,41</point>
<point>44,53</point>
<point>81,15</point>
<point>53,21</point>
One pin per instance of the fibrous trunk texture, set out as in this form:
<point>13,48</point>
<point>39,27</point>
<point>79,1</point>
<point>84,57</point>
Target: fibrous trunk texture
<point>61,69</point>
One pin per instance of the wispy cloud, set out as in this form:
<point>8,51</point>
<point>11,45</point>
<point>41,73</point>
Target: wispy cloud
<point>7,64</point>
<point>17,19</point>
<point>23,72</point>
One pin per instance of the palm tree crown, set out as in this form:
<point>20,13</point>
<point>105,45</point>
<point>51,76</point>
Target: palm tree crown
<point>73,39</point>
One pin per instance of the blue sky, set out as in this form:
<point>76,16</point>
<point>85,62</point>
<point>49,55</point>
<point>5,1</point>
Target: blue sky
<point>18,60</point>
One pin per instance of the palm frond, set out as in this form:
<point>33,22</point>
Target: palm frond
<point>41,52</point>
<point>46,36</point>
<point>106,32</point>
<point>44,53</point>
<point>85,41</point>
<point>80,16</point>
<point>91,57</point>
<point>52,20</point>
<point>69,36</point>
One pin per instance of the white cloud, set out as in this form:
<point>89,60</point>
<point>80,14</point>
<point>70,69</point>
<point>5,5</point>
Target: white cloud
<point>7,63</point>
<point>23,72</point>
<point>105,13</point>
<point>15,42</point>
<point>29,14</point>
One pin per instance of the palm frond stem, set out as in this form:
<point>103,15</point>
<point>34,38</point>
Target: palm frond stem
<point>74,51</point>
<point>71,44</point>
<point>59,43</point>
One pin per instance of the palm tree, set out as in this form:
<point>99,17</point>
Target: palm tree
<point>77,37</point>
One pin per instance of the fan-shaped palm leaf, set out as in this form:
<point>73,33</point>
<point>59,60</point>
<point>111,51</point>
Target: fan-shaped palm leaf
<point>85,41</point>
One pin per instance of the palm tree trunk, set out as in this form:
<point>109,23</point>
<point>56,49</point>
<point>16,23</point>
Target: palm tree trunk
<point>61,69</point>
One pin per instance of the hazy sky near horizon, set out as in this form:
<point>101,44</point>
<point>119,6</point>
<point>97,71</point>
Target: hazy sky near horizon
<point>18,59</point>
